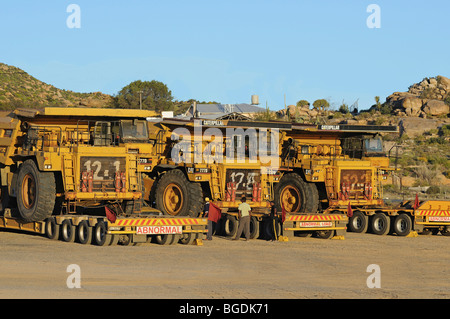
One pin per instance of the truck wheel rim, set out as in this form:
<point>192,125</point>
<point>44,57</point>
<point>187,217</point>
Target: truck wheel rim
<point>357,222</point>
<point>28,191</point>
<point>402,225</point>
<point>173,199</point>
<point>379,224</point>
<point>290,199</point>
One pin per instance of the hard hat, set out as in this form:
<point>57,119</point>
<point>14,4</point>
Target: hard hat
<point>207,199</point>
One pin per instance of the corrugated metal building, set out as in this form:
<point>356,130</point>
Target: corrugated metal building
<point>223,111</point>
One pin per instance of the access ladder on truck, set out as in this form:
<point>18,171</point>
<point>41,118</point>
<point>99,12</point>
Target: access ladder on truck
<point>98,230</point>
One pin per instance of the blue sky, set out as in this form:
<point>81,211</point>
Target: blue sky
<point>228,50</point>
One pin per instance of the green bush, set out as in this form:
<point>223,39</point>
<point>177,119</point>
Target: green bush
<point>433,190</point>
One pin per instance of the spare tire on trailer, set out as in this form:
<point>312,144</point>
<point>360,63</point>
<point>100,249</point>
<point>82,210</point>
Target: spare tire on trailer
<point>296,195</point>
<point>36,192</point>
<point>177,196</point>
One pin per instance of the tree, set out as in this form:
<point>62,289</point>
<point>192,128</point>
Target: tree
<point>154,95</point>
<point>344,108</point>
<point>302,103</point>
<point>321,104</point>
<point>377,103</point>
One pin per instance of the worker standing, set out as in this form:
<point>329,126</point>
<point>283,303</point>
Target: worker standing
<point>244,219</point>
<point>214,215</point>
<point>273,221</point>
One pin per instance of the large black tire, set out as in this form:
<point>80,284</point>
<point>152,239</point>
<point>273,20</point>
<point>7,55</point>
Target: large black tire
<point>100,235</point>
<point>312,195</point>
<point>84,233</point>
<point>269,228</point>
<point>358,223</point>
<point>254,227</point>
<point>325,234</point>
<point>52,229</point>
<point>230,226</point>
<point>176,196</point>
<point>166,239</point>
<point>68,231</point>
<point>402,225</point>
<point>296,195</point>
<point>36,192</point>
<point>381,224</point>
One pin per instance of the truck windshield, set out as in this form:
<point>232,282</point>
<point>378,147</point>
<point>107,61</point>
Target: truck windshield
<point>373,145</point>
<point>134,130</point>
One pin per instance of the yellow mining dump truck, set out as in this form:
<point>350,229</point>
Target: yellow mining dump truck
<point>193,165</point>
<point>57,163</point>
<point>339,169</point>
<point>329,166</point>
<point>222,160</point>
<point>63,159</point>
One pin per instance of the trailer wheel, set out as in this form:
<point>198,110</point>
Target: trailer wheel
<point>269,227</point>
<point>84,232</point>
<point>358,223</point>
<point>100,235</point>
<point>176,239</point>
<point>381,224</point>
<point>188,238</point>
<point>52,229</point>
<point>299,233</point>
<point>325,234</point>
<point>124,240</point>
<point>254,227</point>
<point>177,196</point>
<point>166,239</point>
<point>67,231</point>
<point>445,231</point>
<point>36,192</point>
<point>230,226</point>
<point>402,225</point>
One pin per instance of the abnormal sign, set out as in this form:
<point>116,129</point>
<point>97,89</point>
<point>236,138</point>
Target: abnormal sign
<point>439,218</point>
<point>159,230</point>
<point>315,224</point>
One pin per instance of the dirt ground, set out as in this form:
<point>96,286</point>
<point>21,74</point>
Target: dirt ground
<point>35,267</point>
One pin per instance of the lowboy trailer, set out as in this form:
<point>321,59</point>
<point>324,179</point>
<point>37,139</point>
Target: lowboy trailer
<point>323,225</point>
<point>98,230</point>
<point>430,216</point>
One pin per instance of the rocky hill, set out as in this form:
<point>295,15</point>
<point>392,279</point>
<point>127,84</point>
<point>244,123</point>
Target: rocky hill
<point>430,97</point>
<point>19,89</point>
<point>424,107</point>
<point>423,116</point>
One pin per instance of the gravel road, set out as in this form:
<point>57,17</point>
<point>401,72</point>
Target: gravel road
<point>35,267</point>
